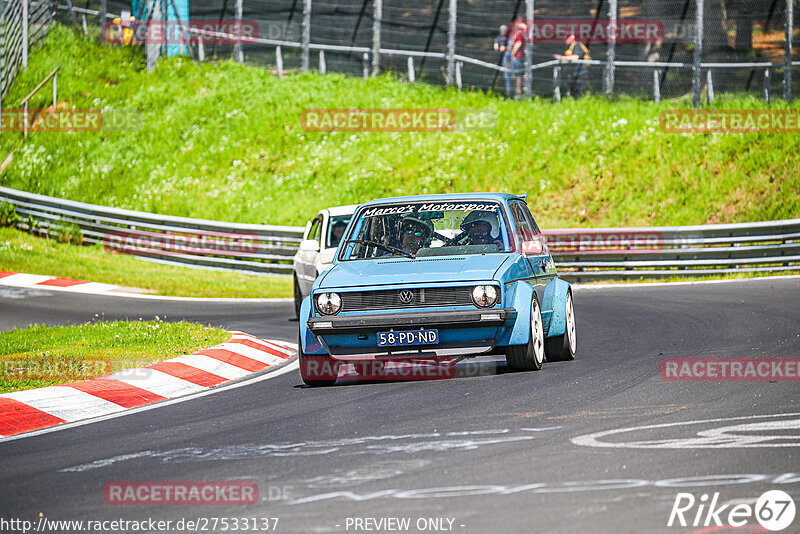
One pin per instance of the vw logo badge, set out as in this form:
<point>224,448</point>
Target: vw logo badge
<point>406,297</point>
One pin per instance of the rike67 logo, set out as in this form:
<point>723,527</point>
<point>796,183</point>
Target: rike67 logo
<point>774,511</point>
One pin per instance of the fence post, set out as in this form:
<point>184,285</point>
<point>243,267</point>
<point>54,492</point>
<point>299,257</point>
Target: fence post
<point>458,74</point>
<point>410,69</point>
<point>608,78</point>
<point>164,26</point>
<point>85,24</point>
<point>766,85</point>
<point>557,83</point>
<point>656,86</point>
<point>151,48</point>
<point>102,14</point>
<point>376,36</point>
<point>787,52</point>
<point>710,85</point>
<point>306,38</point>
<point>451,42</point>
<point>528,75</point>
<point>201,49</point>
<point>71,13</point>
<point>697,79</point>
<point>279,61</point>
<point>237,47</point>
<point>24,26</point>
<point>365,65</point>
<point>322,66</point>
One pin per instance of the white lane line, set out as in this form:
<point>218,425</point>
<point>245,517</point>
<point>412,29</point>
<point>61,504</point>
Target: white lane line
<point>157,382</point>
<point>213,366</point>
<point>65,402</point>
<point>250,352</point>
<point>24,280</point>
<point>718,437</point>
<point>291,366</point>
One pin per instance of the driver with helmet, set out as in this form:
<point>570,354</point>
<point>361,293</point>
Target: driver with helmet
<point>415,233</point>
<point>481,228</point>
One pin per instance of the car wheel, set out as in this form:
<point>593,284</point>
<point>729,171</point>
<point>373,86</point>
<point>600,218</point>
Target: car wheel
<point>298,298</point>
<point>317,370</point>
<point>529,357</point>
<point>562,348</point>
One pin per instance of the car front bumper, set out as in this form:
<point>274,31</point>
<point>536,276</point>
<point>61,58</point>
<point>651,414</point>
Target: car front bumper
<point>461,332</point>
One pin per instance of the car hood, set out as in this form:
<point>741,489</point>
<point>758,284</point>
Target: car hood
<point>394,270</point>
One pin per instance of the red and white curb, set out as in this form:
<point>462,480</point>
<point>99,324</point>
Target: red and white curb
<point>55,283</point>
<point>35,409</point>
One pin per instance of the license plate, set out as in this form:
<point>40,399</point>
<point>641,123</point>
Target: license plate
<point>408,337</point>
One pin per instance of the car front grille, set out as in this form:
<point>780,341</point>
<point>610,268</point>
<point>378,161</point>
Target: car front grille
<point>428,297</point>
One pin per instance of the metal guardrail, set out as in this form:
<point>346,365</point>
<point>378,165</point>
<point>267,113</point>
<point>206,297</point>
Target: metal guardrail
<point>669,251</point>
<point>580,254</point>
<point>248,248</point>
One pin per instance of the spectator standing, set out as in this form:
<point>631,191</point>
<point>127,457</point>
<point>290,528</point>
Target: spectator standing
<point>518,56</point>
<point>502,45</point>
<point>577,76</point>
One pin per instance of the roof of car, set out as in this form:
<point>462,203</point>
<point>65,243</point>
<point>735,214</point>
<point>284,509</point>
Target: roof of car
<point>445,198</point>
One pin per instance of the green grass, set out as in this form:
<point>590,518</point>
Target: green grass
<point>224,141</point>
<point>29,357</point>
<point>21,252</point>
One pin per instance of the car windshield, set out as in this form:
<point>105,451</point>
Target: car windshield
<point>427,229</point>
<point>336,227</point>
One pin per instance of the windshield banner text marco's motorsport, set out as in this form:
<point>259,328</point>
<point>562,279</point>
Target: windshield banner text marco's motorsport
<point>438,206</point>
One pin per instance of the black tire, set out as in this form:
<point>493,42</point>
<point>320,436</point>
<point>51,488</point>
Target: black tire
<point>317,370</point>
<point>529,357</point>
<point>298,298</point>
<point>562,348</point>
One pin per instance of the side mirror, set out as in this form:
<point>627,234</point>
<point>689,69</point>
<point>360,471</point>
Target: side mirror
<point>534,247</point>
<point>309,244</point>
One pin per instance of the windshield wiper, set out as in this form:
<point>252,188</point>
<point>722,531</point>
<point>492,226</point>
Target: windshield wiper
<point>378,244</point>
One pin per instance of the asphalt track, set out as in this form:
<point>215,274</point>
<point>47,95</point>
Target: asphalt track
<point>490,450</point>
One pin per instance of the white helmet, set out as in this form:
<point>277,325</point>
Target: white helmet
<point>488,217</point>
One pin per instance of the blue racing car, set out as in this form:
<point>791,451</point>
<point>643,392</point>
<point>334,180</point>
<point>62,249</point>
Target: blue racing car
<point>437,278</point>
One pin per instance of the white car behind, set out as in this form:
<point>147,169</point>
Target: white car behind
<point>317,248</point>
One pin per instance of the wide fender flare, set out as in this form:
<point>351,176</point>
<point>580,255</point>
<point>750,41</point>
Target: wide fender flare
<point>521,331</point>
<point>555,297</point>
<point>308,341</point>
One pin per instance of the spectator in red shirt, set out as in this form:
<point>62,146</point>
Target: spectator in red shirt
<point>518,56</point>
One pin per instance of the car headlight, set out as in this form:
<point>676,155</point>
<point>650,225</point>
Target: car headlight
<point>329,303</point>
<point>484,296</point>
